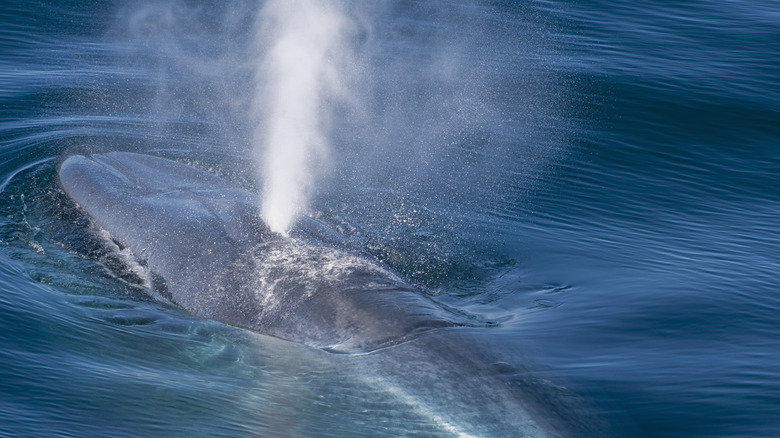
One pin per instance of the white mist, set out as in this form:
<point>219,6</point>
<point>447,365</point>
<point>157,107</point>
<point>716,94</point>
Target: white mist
<point>306,55</point>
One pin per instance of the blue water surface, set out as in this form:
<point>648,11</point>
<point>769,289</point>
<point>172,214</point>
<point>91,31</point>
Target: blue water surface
<point>600,178</point>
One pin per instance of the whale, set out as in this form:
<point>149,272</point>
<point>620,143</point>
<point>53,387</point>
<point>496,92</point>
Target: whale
<point>204,248</point>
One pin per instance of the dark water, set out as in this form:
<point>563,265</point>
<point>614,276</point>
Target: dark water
<point>601,176</point>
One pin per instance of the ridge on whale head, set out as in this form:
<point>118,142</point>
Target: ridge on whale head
<point>209,252</point>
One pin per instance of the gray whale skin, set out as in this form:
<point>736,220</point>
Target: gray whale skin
<point>209,252</point>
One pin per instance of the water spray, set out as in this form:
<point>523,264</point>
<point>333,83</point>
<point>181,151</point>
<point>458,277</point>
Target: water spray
<point>306,54</point>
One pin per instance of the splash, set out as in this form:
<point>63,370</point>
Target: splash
<point>306,58</point>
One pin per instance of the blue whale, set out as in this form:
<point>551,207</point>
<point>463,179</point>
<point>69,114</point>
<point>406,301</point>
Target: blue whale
<point>205,249</point>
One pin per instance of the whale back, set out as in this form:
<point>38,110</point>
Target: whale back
<point>208,251</point>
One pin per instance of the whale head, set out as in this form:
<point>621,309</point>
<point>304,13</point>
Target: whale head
<point>208,251</point>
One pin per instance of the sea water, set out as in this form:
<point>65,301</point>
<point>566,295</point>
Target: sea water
<point>599,178</point>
